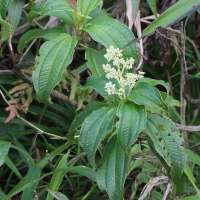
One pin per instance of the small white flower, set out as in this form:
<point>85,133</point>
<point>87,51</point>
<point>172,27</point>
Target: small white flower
<point>110,88</point>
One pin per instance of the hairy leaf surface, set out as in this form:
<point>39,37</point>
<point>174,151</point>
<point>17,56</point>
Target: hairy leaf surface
<point>95,62</point>
<point>146,94</point>
<point>110,32</point>
<point>8,29</point>
<point>5,4</point>
<point>55,56</point>
<point>167,142</point>
<point>117,162</point>
<point>86,6</point>
<point>132,119</point>
<point>58,8</point>
<point>94,128</point>
<point>79,119</point>
<point>47,34</point>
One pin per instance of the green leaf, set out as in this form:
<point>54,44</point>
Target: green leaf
<point>117,162</point>
<point>57,195</point>
<point>146,94</point>
<point>96,14</point>
<point>4,148</point>
<point>33,174</point>
<point>189,174</point>
<point>165,165</point>
<point>47,34</point>
<point>98,83</point>
<point>84,171</point>
<point>152,4</point>
<point>58,177</point>
<point>173,14</point>
<point>191,198</point>
<point>79,119</point>
<point>135,7</point>
<point>167,142</point>
<point>12,166</point>
<point>86,6</point>
<point>155,82</point>
<point>8,29</point>
<point>15,11</point>
<point>5,4</point>
<point>101,177</point>
<point>192,157</point>
<point>94,128</point>
<point>55,56</point>
<point>110,32</point>
<point>3,196</point>
<point>95,62</point>
<point>58,8</point>
<point>180,184</point>
<point>132,119</point>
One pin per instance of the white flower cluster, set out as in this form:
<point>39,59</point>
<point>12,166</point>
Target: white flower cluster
<point>124,79</point>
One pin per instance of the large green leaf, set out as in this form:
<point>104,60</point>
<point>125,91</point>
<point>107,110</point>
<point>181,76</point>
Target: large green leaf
<point>86,6</point>
<point>155,82</point>
<point>135,7</point>
<point>173,14</point>
<point>110,32</point>
<point>94,128</point>
<point>132,119</point>
<point>39,33</point>
<point>167,142</point>
<point>58,177</point>
<point>96,14</point>
<point>4,148</point>
<point>58,8</point>
<point>8,29</point>
<point>15,11</point>
<point>146,94</point>
<point>33,174</point>
<point>5,4</point>
<point>117,162</point>
<point>55,56</point>
<point>95,62</point>
<point>79,119</point>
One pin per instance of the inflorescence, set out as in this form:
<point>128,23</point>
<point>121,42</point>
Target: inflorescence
<point>124,79</point>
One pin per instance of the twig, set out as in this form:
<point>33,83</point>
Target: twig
<point>11,49</point>
<point>33,20</point>
<point>39,130</point>
<point>20,65</point>
<point>182,127</point>
<point>76,158</point>
<point>167,191</point>
<point>28,24</point>
<point>3,72</point>
<point>32,43</point>
<point>53,169</point>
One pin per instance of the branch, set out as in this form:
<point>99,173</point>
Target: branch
<point>182,127</point>
<point>3,72</point>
